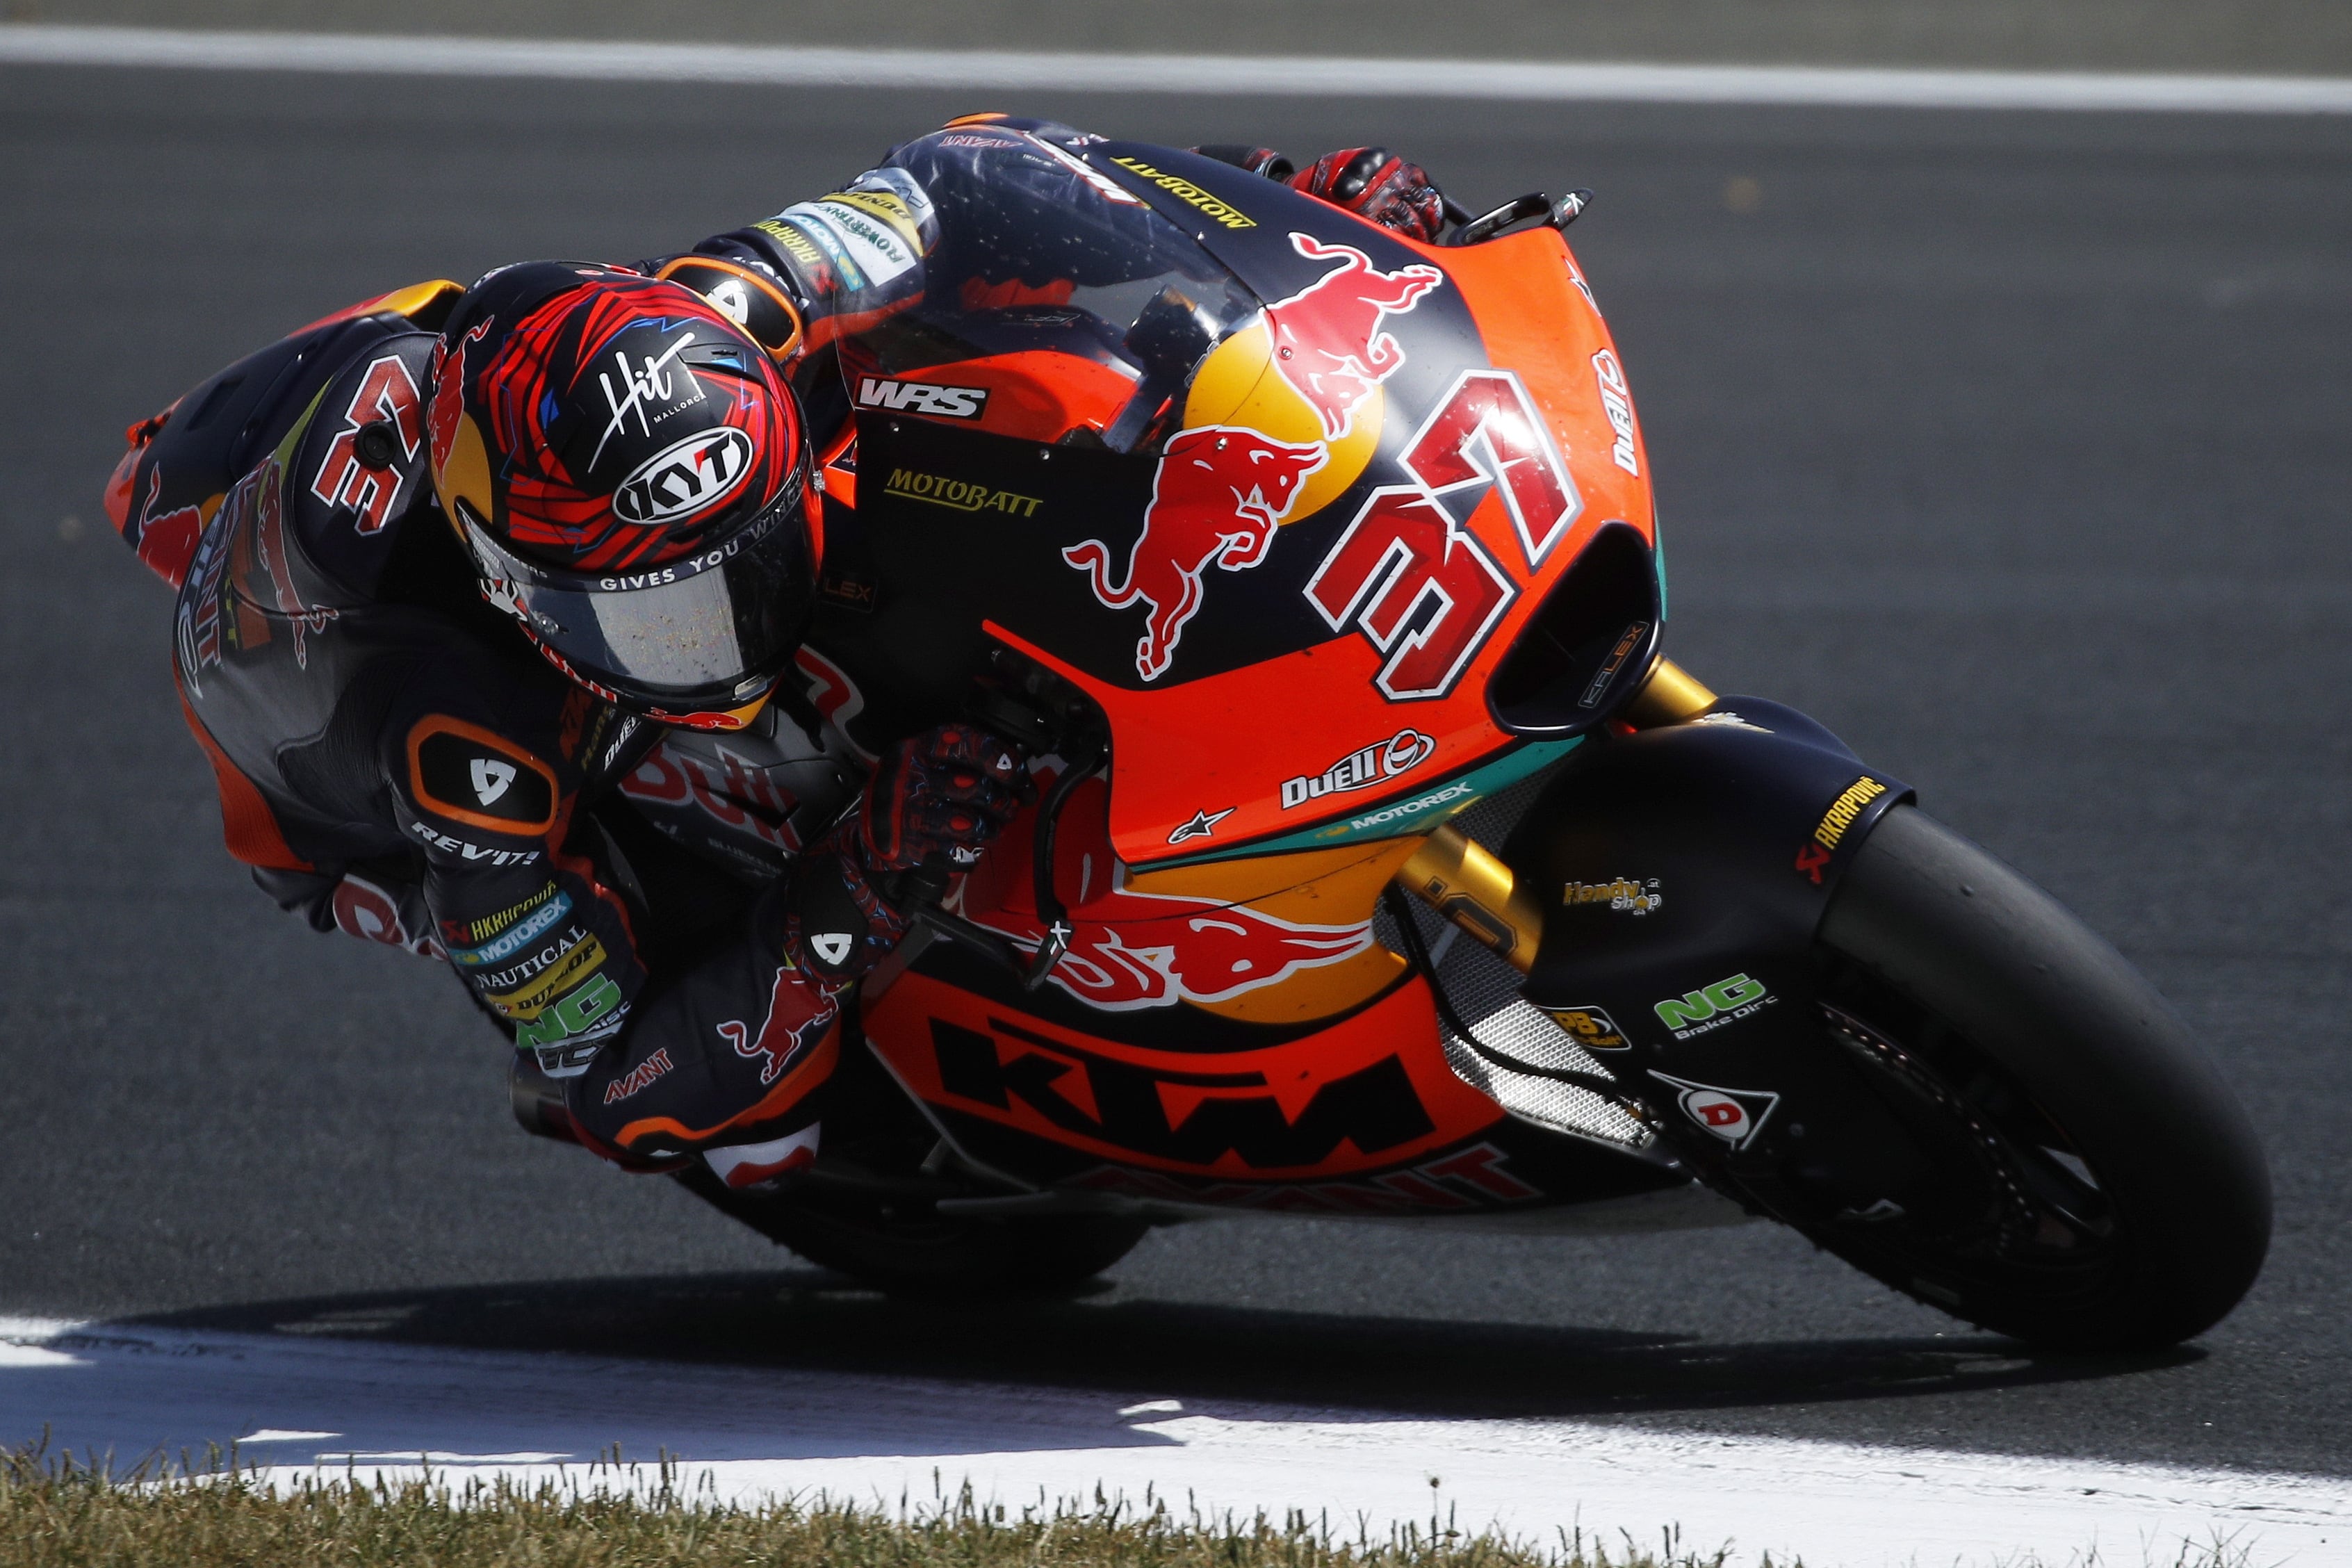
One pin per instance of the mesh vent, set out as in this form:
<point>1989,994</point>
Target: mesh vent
<point>1485,992</point>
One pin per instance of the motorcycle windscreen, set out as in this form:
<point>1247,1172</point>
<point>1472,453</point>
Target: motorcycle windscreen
<point>1057,306</point>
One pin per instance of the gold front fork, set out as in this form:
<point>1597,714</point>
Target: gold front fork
<point>1465,883</point>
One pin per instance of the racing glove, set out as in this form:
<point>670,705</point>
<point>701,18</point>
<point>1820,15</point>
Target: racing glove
<point>1374,183</point>
<point>934,802</point>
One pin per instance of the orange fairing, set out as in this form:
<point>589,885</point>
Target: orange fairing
<point>411,302</point>
<point>1277,939</point>
<point>1293,719</point>
<point>1368,1093</point>
<point>1527,296</point>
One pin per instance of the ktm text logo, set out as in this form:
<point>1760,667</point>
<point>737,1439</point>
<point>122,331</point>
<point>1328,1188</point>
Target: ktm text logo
<point>1199,1119</point>
<point>921,397</point>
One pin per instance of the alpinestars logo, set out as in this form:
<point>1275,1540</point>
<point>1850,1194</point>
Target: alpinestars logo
<point>1375,764</point>
<point>922,397</point>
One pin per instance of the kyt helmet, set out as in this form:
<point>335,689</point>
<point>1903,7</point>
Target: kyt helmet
<point>629,476</point>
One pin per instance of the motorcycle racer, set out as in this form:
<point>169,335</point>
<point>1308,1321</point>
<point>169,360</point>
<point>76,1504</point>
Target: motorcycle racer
<point>454,562</point>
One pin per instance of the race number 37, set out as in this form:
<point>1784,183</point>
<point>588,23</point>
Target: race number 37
<point>1411,578</point>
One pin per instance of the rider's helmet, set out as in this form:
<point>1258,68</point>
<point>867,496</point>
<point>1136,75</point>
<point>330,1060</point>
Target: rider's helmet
<point>629,476</point>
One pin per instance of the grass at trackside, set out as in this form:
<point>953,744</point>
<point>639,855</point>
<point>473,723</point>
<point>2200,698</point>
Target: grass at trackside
<point>57,1514</point>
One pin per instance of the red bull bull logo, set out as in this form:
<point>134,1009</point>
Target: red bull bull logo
<point>798,1015</point>
<point>1218,494</point>
<point>1329,341</point>
<point>1130,950</point>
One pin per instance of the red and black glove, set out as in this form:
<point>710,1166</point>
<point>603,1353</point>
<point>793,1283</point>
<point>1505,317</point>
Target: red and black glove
<point>945,795</point>
<point>1374,183</point>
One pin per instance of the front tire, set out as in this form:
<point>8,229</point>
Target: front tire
<point>2104,1188</point>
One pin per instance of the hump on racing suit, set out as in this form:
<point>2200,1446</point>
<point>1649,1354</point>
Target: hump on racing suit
<point>394,760</point>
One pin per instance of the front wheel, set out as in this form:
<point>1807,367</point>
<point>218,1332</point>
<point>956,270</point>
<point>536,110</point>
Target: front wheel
<point>2098,1183</point>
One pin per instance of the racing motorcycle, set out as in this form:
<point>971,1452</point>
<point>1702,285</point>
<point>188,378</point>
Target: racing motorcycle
<point>1382,868</point>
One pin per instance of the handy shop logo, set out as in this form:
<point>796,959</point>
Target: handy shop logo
<point>1694,1013</point>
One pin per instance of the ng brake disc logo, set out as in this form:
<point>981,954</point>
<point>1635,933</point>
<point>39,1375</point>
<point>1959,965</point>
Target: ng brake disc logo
<point>1711,1008</point>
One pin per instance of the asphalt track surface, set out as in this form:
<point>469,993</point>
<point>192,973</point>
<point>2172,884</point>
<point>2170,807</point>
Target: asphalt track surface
<point>2012,446</point>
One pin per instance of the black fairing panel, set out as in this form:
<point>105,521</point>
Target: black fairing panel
<point>1584,649</point>
<point>1683,873</point>
<point>1719,813</point>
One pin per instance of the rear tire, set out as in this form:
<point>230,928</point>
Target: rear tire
<point>906,1244</point>
<point>2126,1203</point>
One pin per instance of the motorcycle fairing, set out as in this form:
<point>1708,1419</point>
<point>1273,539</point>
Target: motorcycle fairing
<point>1275,940</point>
<point>1736,827</point>
<point>1275,743</point>
<point>1358,593</point>
<point>1361,1117</point>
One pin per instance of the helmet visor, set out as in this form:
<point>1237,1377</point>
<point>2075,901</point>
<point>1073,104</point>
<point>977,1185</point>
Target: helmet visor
<point>704,634</point>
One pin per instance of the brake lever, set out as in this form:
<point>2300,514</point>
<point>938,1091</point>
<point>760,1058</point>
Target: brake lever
<point>1085,757</point>
<point>919,892</point>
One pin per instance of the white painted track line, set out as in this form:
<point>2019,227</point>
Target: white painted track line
<point>1014,71</point>
<point>320,1405</point>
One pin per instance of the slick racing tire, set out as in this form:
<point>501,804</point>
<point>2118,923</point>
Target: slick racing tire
<point>2106,1189</point>
<point>906,1244</point>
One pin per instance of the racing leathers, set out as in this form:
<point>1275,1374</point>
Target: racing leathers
<point>396,762</point>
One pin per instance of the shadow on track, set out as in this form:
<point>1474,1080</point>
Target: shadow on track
<point>812,1320</point>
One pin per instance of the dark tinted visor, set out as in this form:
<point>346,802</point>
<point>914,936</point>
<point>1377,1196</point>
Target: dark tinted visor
<point>705,633</point>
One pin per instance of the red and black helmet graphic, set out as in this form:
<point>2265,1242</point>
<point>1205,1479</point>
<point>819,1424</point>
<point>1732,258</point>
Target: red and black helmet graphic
<point>595,420</point>
<point>629,477</point>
